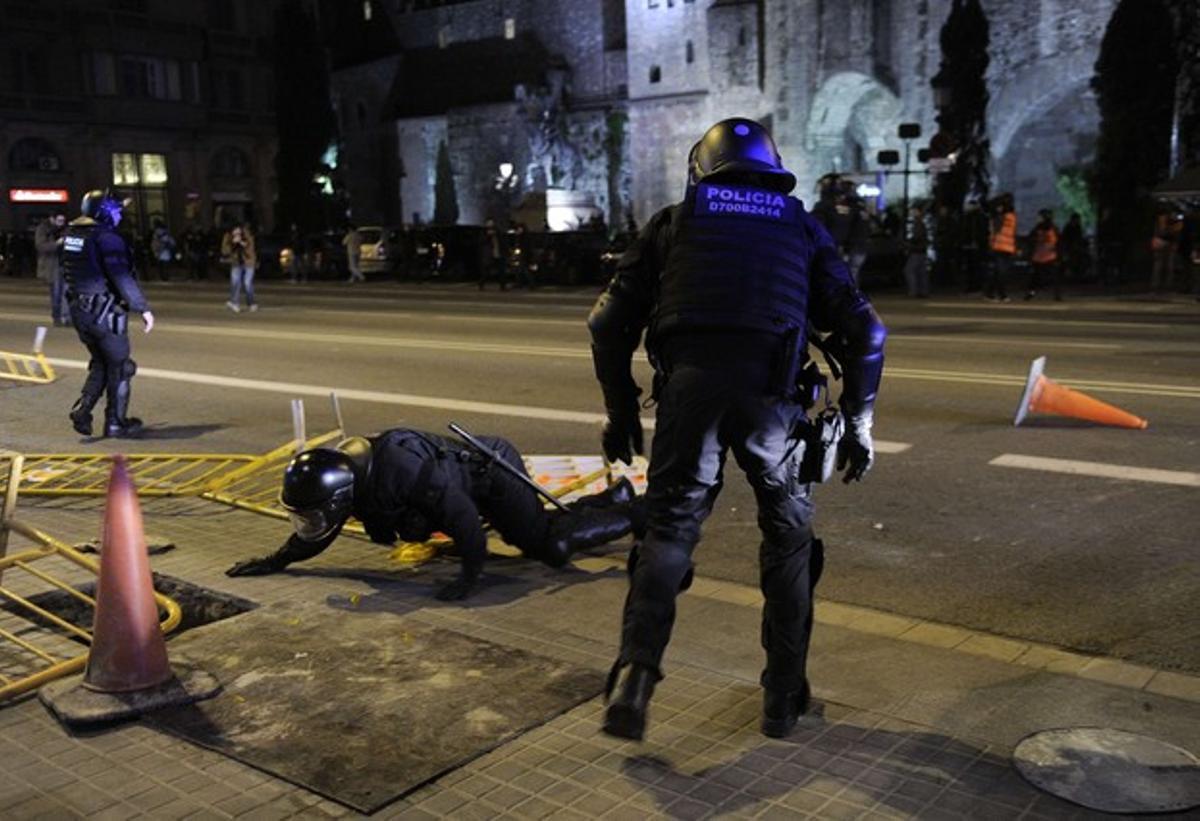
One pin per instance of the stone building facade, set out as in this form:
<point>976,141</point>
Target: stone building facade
<point>171,103</point>
<point>833,80</point>
<point>627,86</point>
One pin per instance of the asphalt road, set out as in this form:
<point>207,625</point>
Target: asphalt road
<point>1103,564</point>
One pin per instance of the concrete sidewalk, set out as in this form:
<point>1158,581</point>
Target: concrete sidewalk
<point>914,720</point>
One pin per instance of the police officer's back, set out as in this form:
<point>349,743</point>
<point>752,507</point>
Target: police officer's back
<point>726,284</point>
<point>101,291</point>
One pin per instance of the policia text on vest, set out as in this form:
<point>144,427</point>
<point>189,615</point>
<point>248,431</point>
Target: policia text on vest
<point>747,202</point>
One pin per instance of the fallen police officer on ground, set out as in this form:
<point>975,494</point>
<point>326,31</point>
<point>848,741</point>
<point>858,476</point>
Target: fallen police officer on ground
<point>408,484</point>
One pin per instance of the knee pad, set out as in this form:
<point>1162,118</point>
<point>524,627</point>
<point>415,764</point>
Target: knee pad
<point>128,368</point>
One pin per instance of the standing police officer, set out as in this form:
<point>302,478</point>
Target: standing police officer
<point>727,283</point>
<point>101,291</point>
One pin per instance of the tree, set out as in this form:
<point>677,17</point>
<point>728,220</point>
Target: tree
<point>1135,89</point>
<point>445,196</point>
<point>304,117</point>
<point>962,119</point>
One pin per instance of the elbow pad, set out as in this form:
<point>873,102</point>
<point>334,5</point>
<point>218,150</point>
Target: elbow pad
<point>615,336</point>
<point>863,337</point>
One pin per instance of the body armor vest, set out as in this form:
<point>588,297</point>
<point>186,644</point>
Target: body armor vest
<point>81,258</point>
<point>738,261</point>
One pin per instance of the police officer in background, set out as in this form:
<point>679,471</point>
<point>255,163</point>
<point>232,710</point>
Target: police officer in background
<point>101,292</point>
<point>726,283</point>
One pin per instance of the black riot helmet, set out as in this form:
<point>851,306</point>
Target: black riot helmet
<point>318,491</point>
<point>102,206</point>
<point>739,147</point>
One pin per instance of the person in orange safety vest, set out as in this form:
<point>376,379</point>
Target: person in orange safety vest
<point>1045,256</point>
<point>1003,247</point>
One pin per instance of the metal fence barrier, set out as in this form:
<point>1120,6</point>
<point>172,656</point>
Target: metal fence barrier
<point>36,644</point>
<point>28,367</point>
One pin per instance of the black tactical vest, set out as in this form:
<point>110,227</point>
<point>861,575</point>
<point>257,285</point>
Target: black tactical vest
<point>738,261</point>
<point>81,258</point>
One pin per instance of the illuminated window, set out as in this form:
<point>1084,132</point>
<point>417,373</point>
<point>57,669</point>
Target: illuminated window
<point>367,10</point>
<point>125,169</point>
<point>510,28</point>
<point>153,169</point>
<point>142,178</point>
<point>655,74</point>
<point>690,52</point>
<point>443,36</point>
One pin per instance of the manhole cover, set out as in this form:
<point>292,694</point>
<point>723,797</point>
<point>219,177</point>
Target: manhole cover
<point>1110,770</point>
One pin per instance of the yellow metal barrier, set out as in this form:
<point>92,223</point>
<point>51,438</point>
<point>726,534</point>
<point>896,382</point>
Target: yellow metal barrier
<point>28,367</point>
<point>42,653</point>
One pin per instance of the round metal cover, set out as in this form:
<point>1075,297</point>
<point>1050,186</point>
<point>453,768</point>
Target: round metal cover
<point>1110,770</point>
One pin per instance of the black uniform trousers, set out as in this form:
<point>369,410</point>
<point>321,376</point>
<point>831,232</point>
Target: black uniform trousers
<point>716,398</point>
<point>110,367</point>
<point>510,506</point>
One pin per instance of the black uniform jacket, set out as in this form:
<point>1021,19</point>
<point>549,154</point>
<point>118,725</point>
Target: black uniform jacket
<point>96,261</point>
<point>418,484</point>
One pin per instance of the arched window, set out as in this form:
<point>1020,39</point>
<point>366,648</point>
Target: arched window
<point>742,36</point>
<point>655,74</point>
<point>33,154</point>
<point>690,52</point>
<point>230,161</point>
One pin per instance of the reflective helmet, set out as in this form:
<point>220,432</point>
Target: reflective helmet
<point>318,492</point>
<point>738,146</point>
<point>102,206</point>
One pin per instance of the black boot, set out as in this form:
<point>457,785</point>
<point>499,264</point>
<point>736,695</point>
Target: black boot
<point>81,416</point>
<point>782,709</point>
<point>620,492</point>
<point>93,389</point>
<point>626,714</point>
<point>116,424</point>
<point>582,528</point>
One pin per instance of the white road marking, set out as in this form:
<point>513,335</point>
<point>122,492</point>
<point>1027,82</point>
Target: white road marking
<point>1034,320</point>
<point>1010,342</point>
<point>1140,388</point>
<point>1098,469</point>
<point>407,399</point>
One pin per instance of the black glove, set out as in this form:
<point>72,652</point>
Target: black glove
<point>462,587</point>
<point>856,450</point>
<point>261,566</point>
<point>622,435</point>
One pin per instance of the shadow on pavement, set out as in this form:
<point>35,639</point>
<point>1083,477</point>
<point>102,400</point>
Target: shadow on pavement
<point>831,767</point>
<point>178,431</point>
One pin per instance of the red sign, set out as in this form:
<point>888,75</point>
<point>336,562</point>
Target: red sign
<point>38,195</point>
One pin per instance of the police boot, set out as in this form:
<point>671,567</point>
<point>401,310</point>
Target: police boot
<point>782,709</point>
<point>625,716</point>
<point>81,415</point>
<point>116,424</point>
<point>619,493</point>
<point>582,528</point>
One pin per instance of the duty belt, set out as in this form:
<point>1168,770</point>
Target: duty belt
<point>92,302</point>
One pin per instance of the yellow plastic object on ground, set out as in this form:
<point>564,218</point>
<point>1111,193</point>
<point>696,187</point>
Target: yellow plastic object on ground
<point>36,644</point>
<point>28,367</point>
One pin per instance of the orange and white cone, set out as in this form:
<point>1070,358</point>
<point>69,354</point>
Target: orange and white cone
<point>128,650</point>
<point>1044,395</point>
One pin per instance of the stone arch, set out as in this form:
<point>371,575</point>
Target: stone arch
<point>1042,119</point>
<point>850,107</point>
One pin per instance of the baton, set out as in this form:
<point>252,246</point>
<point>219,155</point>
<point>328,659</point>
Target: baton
<point>498,460</point>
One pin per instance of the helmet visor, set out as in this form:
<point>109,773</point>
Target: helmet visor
<point>311,525</point>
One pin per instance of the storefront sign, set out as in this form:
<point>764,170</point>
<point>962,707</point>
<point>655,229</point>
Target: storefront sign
<point>38,195</point>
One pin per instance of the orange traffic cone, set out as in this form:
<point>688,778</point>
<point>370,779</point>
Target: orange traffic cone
<point>128,650</point>
<point>1044,395</point>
